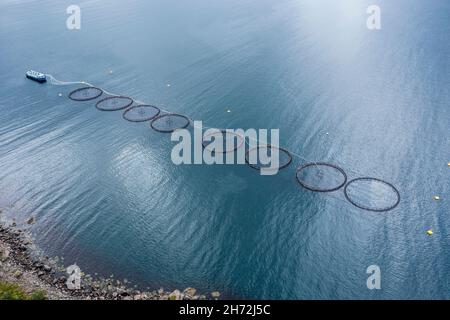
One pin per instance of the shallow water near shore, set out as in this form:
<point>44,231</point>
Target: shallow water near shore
<point>106,196</point>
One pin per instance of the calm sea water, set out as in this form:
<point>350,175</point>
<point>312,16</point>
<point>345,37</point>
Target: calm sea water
<point>106,195</point>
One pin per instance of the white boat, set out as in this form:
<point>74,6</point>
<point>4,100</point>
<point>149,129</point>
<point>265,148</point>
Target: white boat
<point>36,76</point>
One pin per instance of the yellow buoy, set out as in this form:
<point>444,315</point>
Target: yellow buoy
<point>448,164</point>
<point>430,232</point>
<point>436,198</point>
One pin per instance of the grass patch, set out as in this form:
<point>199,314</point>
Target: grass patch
<point>9,291</point>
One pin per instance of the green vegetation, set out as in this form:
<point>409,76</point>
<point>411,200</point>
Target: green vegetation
<point>38,295</point>
<point>10,291</point>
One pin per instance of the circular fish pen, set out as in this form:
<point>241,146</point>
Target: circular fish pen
<point>114,103</point>
<point>223,136</point>
<point>372,194</point>
<point>85,94</point>
<point>169,122</point>
<point>253,160</point>
<point>141,113</point>
<point>321,177</point>
<point>365,193</point>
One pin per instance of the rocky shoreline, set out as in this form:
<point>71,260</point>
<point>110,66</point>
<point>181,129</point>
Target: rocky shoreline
<point>19,265</point>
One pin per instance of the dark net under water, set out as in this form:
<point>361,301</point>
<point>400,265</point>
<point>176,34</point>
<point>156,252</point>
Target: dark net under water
<point>372,194</point>
<point>114,103</point>
<point>170,122</point>
<point>222,141</point>
<point>140,113</point>
<point>254,160</point>
<point>321,177</point>
<point>85,94</point>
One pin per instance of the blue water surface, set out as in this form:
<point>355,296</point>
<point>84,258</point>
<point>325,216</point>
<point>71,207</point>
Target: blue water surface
<point>106,195</point>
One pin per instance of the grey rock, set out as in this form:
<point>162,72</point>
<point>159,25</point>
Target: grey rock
<point>46,268</point>
<point>4,255</point>
<point>87,291</point>
<point>190,292</point>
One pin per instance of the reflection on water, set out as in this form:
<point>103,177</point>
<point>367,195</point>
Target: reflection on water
<point>106,196</point>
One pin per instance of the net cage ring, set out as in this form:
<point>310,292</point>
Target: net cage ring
<point>114,100</point>
<point>370,208</point>
<point>281,150</point>
<point>224,132</point>
<point>139,109</point>
<point>323,164</point>
<point>83,93</point>
<point>154,122</point>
